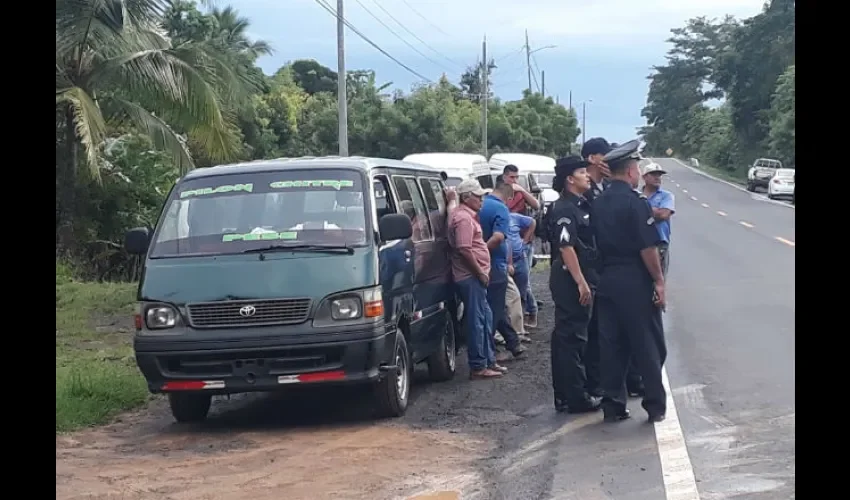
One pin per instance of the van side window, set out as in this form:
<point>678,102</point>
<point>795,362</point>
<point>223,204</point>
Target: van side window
<point>435,199</point>
<point>383,197</point>
<point>414,207</point>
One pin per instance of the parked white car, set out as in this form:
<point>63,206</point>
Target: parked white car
<point>781,185</point>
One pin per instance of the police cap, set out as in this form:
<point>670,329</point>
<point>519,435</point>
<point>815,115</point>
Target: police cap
<point>565,167</point>
<point>627,151</point>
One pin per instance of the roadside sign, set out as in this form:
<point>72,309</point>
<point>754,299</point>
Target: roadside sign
<point>669,152</point>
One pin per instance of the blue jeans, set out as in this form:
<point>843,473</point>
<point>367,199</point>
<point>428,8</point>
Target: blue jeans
<point>478,323</point>
<point>496,293</point>
<point>529,302</point>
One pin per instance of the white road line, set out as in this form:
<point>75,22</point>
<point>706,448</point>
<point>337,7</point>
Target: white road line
<point>685,191</point>
<point>677,185</point>
<point>721,213</point>
<point>705,205</point>
<point>676,467</point>
<point>745,224</point>
<point>731,184</point>
<point>787,242</point>
<point>694,198</point>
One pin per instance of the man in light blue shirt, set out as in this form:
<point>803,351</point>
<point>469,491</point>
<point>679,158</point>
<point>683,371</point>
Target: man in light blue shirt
<point>663,205</point>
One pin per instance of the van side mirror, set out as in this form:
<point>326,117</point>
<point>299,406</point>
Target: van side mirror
<point>395,227</point>
<point>137,240</point>
<point>532,185</point>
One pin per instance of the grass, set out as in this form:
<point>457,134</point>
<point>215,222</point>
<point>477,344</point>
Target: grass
<point>96,375</point>
<point>738,176</point>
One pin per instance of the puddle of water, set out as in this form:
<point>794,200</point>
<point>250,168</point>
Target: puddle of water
<point>437,495</point>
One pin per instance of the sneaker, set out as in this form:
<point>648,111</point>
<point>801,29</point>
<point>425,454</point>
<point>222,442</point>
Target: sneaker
<point>518,352</point>
<point>503,357</point>
<point>530,321</point>
<point>524,338</point>
<point>499,339</point>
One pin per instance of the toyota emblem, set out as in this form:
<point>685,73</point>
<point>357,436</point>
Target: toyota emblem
<point>247,311</point>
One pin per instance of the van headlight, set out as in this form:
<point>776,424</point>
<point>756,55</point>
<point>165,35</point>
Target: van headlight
<point>346,308</point>
<point>356,306</point>
<point>161,317</point>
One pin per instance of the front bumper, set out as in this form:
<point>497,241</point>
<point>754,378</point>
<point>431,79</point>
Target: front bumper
<point>238,363</point>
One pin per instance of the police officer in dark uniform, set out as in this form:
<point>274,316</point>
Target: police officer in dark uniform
<point>571,279</point>
<point>594,151</point>
<point>630,296</point>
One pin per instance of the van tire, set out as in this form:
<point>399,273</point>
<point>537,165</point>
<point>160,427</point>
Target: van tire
<point>751,187</point>
<point>390,399</point>
<point>187,407</point>
<point>442,364</point>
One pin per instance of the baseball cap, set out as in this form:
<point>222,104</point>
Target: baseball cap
<point>595,146</point>
<point>653,167</point>
<point>470,186</point>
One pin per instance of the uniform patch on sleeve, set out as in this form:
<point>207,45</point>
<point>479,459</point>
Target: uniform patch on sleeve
<point>565,235</point>
<point>650,221</point>
<point>564,220</point>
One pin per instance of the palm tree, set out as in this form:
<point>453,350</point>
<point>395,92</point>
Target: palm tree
<point>116,67</point>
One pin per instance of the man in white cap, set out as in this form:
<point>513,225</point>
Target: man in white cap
<point>663,205</point>
<point>471,274</point>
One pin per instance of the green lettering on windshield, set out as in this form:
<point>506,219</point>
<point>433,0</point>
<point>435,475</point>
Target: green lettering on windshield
<point>336,184</point>
<point>286,235</point>
<point>216,190</point>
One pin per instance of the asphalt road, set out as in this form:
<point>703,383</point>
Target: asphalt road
<point>729,432</point>
<point>730,332</point>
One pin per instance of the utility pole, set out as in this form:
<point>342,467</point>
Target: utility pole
<point>571,99</point>
<point>583,126</point>
<point>543,83</point>
<point>342,91</point>
<point>485,85</point>
<point>528,60</point>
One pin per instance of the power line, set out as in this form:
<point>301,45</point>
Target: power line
<point>447,58</point>
<point>323,4</point>
<point>426,19</point>
<point>399,36</point>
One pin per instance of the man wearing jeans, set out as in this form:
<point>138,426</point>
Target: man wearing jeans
<point>495,217</point>
<point>520,235</point>
<point>519,202</point>
<point>471,274</point>
<point>663,205</point>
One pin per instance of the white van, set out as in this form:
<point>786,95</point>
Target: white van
<point>457,166</point>
<point>542,167</point>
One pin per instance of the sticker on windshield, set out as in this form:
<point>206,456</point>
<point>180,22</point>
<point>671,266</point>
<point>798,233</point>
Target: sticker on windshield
<point>336,184</point>
<point>286,235</point>
<point>248,188</point>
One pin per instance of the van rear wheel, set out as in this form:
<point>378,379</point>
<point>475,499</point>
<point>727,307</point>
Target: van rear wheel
<point>391,392</point>
<point>441,364</point>
<point>189,407</point>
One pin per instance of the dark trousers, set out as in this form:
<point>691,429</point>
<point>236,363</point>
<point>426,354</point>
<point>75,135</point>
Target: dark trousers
<point>630,330</point>
<point>592,365</point>
<point>496,293</point>
<point>569,339</point>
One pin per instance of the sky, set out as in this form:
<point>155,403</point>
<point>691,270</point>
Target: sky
<point>601,51</point>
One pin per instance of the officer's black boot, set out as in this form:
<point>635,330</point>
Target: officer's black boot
<point>613,411</point>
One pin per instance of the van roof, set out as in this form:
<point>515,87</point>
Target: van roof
<point>312,162</point>
<point>525,161</point>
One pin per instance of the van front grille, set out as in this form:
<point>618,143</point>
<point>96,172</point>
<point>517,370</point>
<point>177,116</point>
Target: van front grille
<point>234,313</point>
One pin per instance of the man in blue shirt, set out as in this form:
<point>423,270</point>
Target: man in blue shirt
<point>494,217</point>
<point>520,235</point>
<point>663,205</point>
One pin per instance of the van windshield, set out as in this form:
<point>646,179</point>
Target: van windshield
<point>545,179</point>
<point>233,213</point>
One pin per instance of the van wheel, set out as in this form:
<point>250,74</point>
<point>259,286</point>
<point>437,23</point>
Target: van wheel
<point>751,187</point>
<point>391,393</point>
<point>189,406</point>
<point>441,364</point>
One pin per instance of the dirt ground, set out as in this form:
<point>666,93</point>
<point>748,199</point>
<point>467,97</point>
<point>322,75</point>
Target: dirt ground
<point>459,439</point>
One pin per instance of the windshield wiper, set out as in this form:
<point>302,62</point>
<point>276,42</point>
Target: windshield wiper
<point>303,248</point>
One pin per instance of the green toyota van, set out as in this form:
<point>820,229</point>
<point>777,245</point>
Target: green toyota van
<point>267,275</point>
